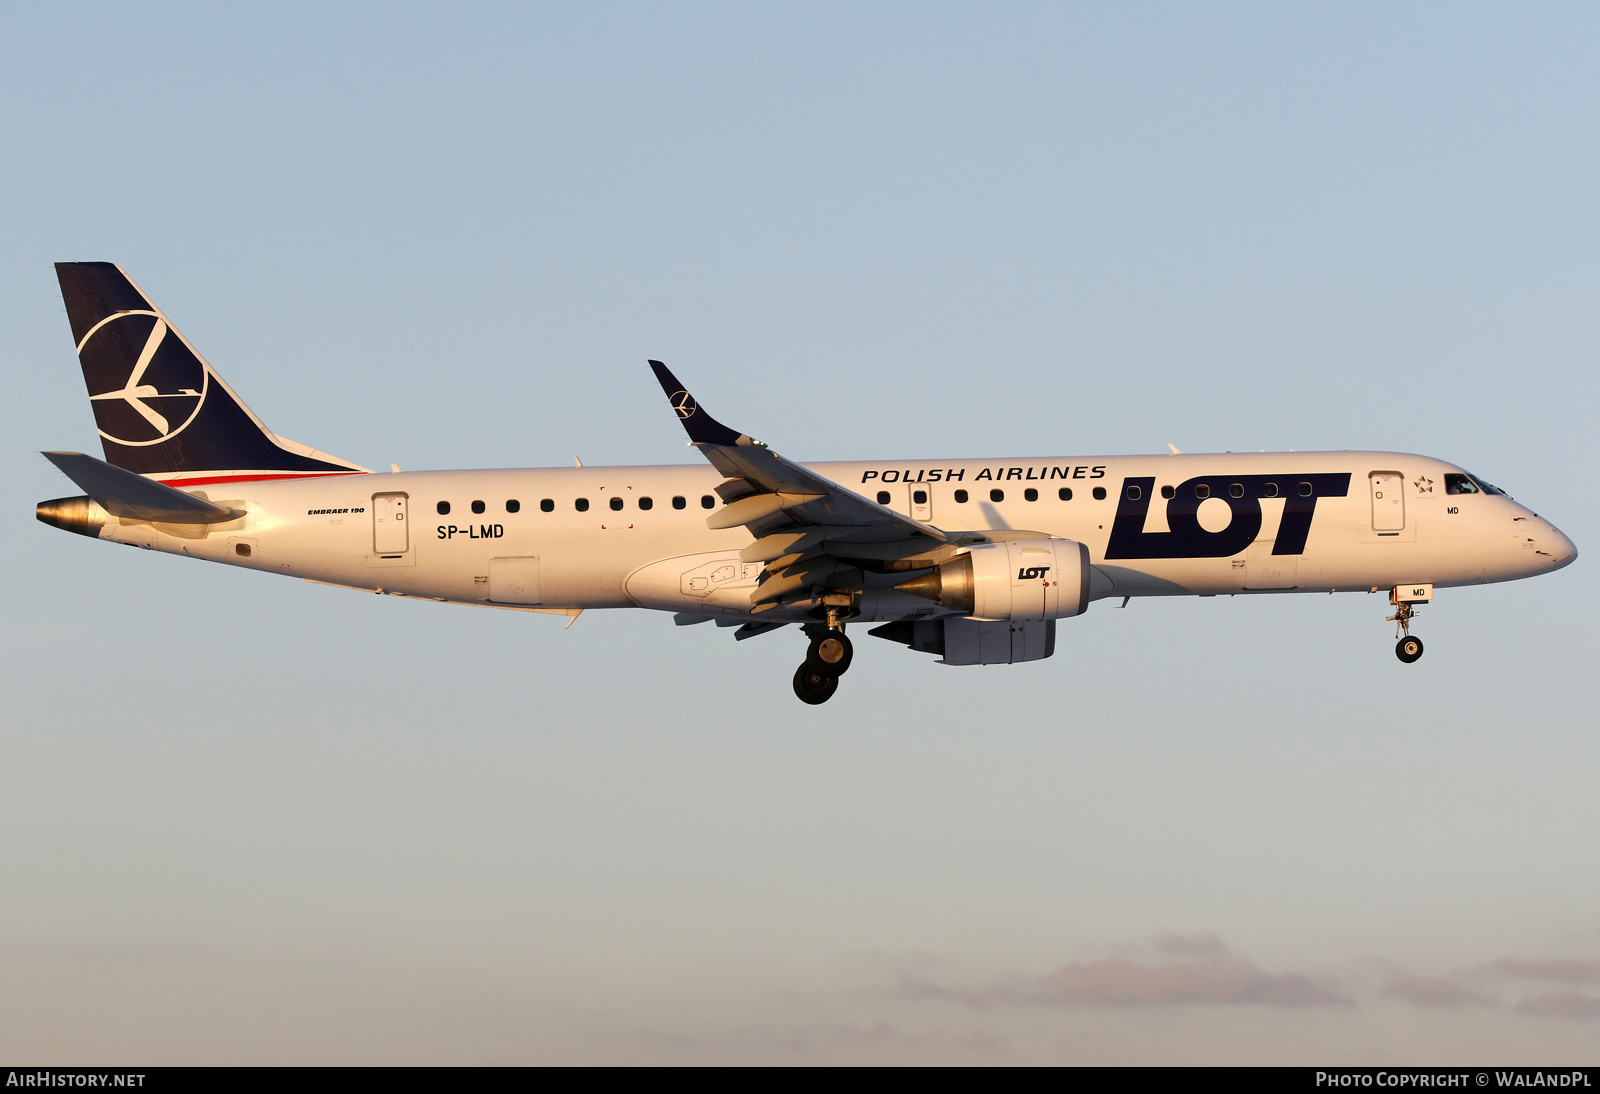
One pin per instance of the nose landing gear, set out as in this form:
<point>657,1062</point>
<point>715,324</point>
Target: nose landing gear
<point>1408,649</point>
<point>1404,598</point>
<point>827,658</point>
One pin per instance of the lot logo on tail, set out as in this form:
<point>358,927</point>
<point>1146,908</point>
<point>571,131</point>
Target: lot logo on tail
<point>145,386</point>
<point>684,404</point>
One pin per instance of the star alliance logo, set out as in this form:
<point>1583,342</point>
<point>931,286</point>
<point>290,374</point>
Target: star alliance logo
<point>684,404</point>
<point>1424,485</point>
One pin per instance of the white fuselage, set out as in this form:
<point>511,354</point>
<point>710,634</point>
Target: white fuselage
<point>385,532</point>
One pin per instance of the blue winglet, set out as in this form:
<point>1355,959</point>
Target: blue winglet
<point>701,427</point>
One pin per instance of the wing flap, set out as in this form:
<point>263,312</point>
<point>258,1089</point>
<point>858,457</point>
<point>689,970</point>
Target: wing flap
<point>779,544</point>
<point>756,508</point>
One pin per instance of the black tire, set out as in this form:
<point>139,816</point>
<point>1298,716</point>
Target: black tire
<point>1408,649</point>
<point>814,686</point>
<point>831,653</point>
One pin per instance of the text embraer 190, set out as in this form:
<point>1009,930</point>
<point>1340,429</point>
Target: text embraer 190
<point>973,560</point>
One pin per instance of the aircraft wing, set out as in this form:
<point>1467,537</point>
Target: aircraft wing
<point>804,525</point>
<point>127,494</point>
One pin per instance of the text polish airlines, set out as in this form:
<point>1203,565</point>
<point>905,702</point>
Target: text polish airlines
<point>972,560</point>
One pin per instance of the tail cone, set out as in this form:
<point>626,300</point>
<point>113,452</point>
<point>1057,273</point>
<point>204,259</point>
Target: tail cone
<point>80,515</point>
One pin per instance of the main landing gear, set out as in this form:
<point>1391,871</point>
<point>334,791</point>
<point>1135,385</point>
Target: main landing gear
<point>1404,598</point>
<point>827,659</point>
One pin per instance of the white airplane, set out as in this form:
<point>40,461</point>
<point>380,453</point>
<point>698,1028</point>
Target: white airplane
<point>973,560</point>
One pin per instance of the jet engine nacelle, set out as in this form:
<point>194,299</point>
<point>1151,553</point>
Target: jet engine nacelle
<point>1018,581</point>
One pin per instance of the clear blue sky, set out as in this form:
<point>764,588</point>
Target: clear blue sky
<point>244,818</point>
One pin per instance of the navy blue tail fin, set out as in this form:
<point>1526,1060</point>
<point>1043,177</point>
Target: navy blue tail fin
<point>160,408</point>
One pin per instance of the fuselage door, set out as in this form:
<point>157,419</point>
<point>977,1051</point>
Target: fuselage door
<point>390,536</point>
<point>1388,501</point>
<point>921,502</point>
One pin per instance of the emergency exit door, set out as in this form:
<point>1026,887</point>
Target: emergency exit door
<point>390,536</point>
<point>921,502</point>
<point>1388,501</point>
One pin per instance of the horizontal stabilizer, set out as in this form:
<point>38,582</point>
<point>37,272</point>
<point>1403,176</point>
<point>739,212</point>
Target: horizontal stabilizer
<point>126,494</point>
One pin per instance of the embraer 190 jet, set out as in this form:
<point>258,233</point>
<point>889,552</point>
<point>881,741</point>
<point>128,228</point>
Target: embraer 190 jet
<point>971,560</point>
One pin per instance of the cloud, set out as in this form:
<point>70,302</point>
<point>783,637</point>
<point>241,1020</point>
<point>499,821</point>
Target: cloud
<point>827,1041</point>
<point>1434,991</point>
<point>1561,1004</point>
<point>1204,942</point>
<point>1123,983</point>
<point>1566,970</point>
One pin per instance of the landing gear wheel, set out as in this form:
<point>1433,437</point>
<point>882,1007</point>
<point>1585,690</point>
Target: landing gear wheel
<point>830,653</point>
<point>1408,649</point>
<point>814,686</point>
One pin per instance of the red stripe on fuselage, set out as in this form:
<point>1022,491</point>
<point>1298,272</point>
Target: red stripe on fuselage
<point>256,478</point>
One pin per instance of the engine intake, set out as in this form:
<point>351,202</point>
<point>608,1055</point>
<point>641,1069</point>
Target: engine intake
<point>1018,580</point>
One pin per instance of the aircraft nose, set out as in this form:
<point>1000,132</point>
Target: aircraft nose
<point>1557,545</point>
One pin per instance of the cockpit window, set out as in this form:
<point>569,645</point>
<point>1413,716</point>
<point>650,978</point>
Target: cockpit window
<point>1469,484</point>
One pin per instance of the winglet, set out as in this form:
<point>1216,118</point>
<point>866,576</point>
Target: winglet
<point>701,427</point>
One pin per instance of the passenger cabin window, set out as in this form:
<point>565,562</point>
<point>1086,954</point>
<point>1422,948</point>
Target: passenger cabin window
<point>1269,489</point>
<point>883,497</point>
<point>616,502</point>
<point>1065,493</point>
<point>513,506</point>
<point>1202,490</point>
<point>997,495</point>
<point>678,502</point>
<point>961,497</point>
<point>444,508</point>
<point>1134,493</point>
<point>1236,490</point>
<point>1305,490</point>
<point>1030,494</point>
<point>1099,493</point>
<point>707,501</point>
<point>1167,492</point>
<point>547,505</point>
<point>1459,484</point>
<point>645,503</point>
<point>581,505</point>
<point>919,497</point>
<point>477,507</point>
